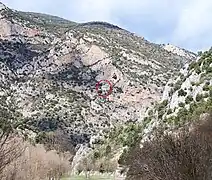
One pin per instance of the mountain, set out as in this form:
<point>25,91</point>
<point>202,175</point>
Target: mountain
<point>50,66</point>
<point>187,96</point>
<point>179,51</point>
<point>186,104</point>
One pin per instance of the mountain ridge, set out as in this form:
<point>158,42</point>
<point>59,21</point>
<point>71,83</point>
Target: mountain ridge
<point>51,66</point>
<point>84,55</point>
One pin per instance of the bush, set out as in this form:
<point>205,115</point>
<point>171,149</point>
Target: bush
<point>150,112</point>
<point>193,107</point>
<point>192,65</point>
<point>199,97</point>
<point>209,70</point>
<point>181,92</point>
<point>177,86</point>
<point>171,85</point>
<point>146,121</point>
<point>207,83</point>
<point>184,156</point>
<point>206,87</point>
<point>198,70</point>
<point>165,103</point>
<point>161,108</point>
<point>188,99</point>
<point>199,53</point>
<point>108,149</point>
<point>205,95</point>
<point>193,83</point>
<point>171,92</point>
<point>210,93</point>
<point>181,104</point>
<point>169,111</point>
<point>183,112</point>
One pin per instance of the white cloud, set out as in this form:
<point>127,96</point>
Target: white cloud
<point>25,5</point>
<point>194,24</point>
<point>110,10</point>
<point>87,10</point>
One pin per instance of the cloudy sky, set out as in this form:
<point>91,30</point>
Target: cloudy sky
<point>185,23</point>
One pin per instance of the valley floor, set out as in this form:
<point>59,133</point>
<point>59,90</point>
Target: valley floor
<point>92,177</point>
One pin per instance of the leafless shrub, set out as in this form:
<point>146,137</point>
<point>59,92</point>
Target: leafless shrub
<point>185,156</point>
<point>37,164</point>
<point>10,150</point>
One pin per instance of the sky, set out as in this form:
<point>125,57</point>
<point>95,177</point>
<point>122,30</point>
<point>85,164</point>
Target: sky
<point>184,23</point>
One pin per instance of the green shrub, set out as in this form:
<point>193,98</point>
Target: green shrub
<point>193,106</point>
<point>206,87</point>
<point>125,136</point>
<point>150,112</point>
<point>210,93</point>
<point>96,155</point>
<point>171,85</point>
<point>171,120</point>
<point>177,86</point>
<point>171,92</point>
<point>161,108</point>
<point>207,83</point>
<point>164,103</point>
<point>183,112</point>
<point>198,70</point>
<point>199,97</point>
<point>199,53</point>
<point>108,150</point>
<point>205,95</point>
<point>193,83</point>
<point>146,121</point>
<point>192,66</point>
<point>188,99</point>
<point>181,104</point>
<point>169,111</point>
<point>191,88</point>
<point>181,92</point>
<point>182,77</point>
<point>209,70</point>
